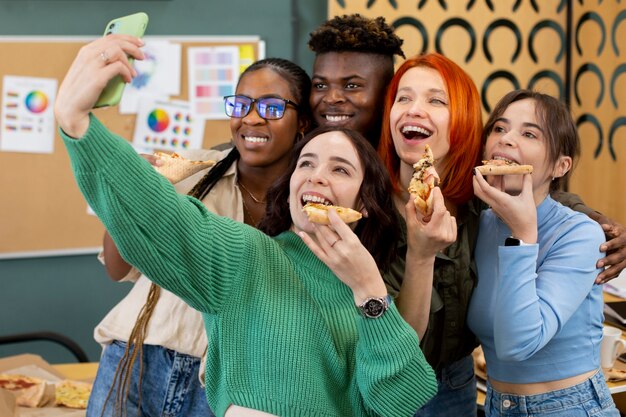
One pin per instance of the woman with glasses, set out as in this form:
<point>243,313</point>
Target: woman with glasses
<point>269,113</point>
<point>298,323</point>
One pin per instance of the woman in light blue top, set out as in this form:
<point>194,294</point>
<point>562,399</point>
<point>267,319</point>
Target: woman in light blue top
<point>536,309</point>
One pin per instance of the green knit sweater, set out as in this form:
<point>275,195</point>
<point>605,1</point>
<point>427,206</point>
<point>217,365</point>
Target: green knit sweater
<point>284,334</point>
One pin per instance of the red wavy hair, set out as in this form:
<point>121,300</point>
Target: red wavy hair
<point>465,128</point>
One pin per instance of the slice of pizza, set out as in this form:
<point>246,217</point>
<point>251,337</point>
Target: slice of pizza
<point>503,167</point>
<point>72,394</point>
<point>318,213</point>
<point>29,391</point>
<point>176,168</point>
<point>425,178</point>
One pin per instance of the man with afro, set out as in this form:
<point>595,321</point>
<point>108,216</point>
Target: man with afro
<point>354,62</point>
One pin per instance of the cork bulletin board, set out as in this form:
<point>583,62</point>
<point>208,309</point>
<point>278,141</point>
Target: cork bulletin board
<point>42,211</point>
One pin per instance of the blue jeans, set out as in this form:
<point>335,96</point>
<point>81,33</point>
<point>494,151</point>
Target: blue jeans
<point>456,392</point>
<point>589,398</point>
<point>170,386</point>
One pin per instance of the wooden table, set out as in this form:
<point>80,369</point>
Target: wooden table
<point>78,371</point>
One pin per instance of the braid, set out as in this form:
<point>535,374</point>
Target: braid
<point>356,33</point>
<point>206,183</point>
<point>134,348</point>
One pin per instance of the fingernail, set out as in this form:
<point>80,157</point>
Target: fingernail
<point>600,264</point>
<point>603,248</point>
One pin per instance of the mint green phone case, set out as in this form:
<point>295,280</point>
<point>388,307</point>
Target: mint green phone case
<point>135,25</point>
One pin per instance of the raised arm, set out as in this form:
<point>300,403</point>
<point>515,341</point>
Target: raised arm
<point>615,246</point>
<point>424,241</point>
<point>163,234</point>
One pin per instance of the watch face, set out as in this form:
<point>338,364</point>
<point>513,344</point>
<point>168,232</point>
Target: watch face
<point>511,241</point>
<point>374,308</point>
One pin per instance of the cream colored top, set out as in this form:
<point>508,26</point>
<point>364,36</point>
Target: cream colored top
<point>173,324</point>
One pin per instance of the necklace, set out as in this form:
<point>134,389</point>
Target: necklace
<point>247,211</point>
<point>256,200</point>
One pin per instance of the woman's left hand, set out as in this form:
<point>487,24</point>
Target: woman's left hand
<point>519,212</point>
<point>342,251</point>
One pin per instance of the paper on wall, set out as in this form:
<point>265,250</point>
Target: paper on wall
<point>27,123</point>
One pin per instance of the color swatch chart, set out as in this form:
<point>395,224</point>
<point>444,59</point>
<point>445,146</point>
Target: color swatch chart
<point>213,74</point>
<point>27,114</point>
<point>163,125</point>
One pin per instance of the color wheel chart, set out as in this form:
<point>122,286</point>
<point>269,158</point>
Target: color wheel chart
<point>167,126</point>
<point>27,115</point>
<point>213,74</point>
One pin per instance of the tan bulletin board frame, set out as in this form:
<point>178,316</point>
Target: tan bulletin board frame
<point>42,212</point>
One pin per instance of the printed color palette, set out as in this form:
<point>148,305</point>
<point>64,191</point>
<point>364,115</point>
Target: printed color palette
<point>27,120</point>
<point>163,125</point>
<point>213,74</point>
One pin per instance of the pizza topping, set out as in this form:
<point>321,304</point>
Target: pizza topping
<point>72,394</point>
<point>424,179</point>
<point>29,391</point>
<point>499,161</point>
<point>15,381</point>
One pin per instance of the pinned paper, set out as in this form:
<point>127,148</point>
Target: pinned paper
<point>27,114</point>
<point>213,74</point>
<point>168,126</point>
<point>158,74</point>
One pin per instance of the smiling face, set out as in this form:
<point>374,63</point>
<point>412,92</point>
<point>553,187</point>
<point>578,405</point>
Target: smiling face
<point>328,171</point>
<point>260,142</point>
<point>348,91</point>
<point>420,115</point>
<point>518,136</point>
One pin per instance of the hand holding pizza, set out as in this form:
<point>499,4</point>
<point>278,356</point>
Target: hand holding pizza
<point>426,236</point>
<point>342,251</point>
<point>519,212</point>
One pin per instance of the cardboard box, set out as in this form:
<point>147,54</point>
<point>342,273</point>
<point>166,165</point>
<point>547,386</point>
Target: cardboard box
<point>35,366</point>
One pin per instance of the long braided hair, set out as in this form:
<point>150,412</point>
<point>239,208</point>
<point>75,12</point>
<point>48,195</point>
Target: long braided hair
<point>300,86</point>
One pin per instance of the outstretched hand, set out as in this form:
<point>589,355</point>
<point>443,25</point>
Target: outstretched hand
<point>96,64</point>
<point>341,250</point>
<point>615,247</point>
<point>519,212</point>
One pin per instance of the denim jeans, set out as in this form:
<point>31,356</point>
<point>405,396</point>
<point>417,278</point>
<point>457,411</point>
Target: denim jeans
<point>589,398</point>
<point>170,385</point>
<point>456,392</point>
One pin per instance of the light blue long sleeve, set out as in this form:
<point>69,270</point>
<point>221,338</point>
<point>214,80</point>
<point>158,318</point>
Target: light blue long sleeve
<point>536,308</point>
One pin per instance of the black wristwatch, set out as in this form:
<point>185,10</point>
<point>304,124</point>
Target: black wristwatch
<point>374,307</point>
<point>513,241</point>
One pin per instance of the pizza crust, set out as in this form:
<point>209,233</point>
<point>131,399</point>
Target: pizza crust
<point>318,213</point>
<point>29,391</point>
<point>176,168</point>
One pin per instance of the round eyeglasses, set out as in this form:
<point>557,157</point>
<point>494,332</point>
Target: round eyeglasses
<point>269,108</point>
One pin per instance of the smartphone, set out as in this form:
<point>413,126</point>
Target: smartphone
<point>135,25</point>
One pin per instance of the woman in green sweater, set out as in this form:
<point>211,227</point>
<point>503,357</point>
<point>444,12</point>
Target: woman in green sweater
<point>299,323</point>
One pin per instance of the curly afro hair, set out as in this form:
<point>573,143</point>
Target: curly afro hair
<point>356,33</point>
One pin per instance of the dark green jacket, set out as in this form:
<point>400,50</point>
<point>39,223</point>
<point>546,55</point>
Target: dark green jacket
<point>447,338</point>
